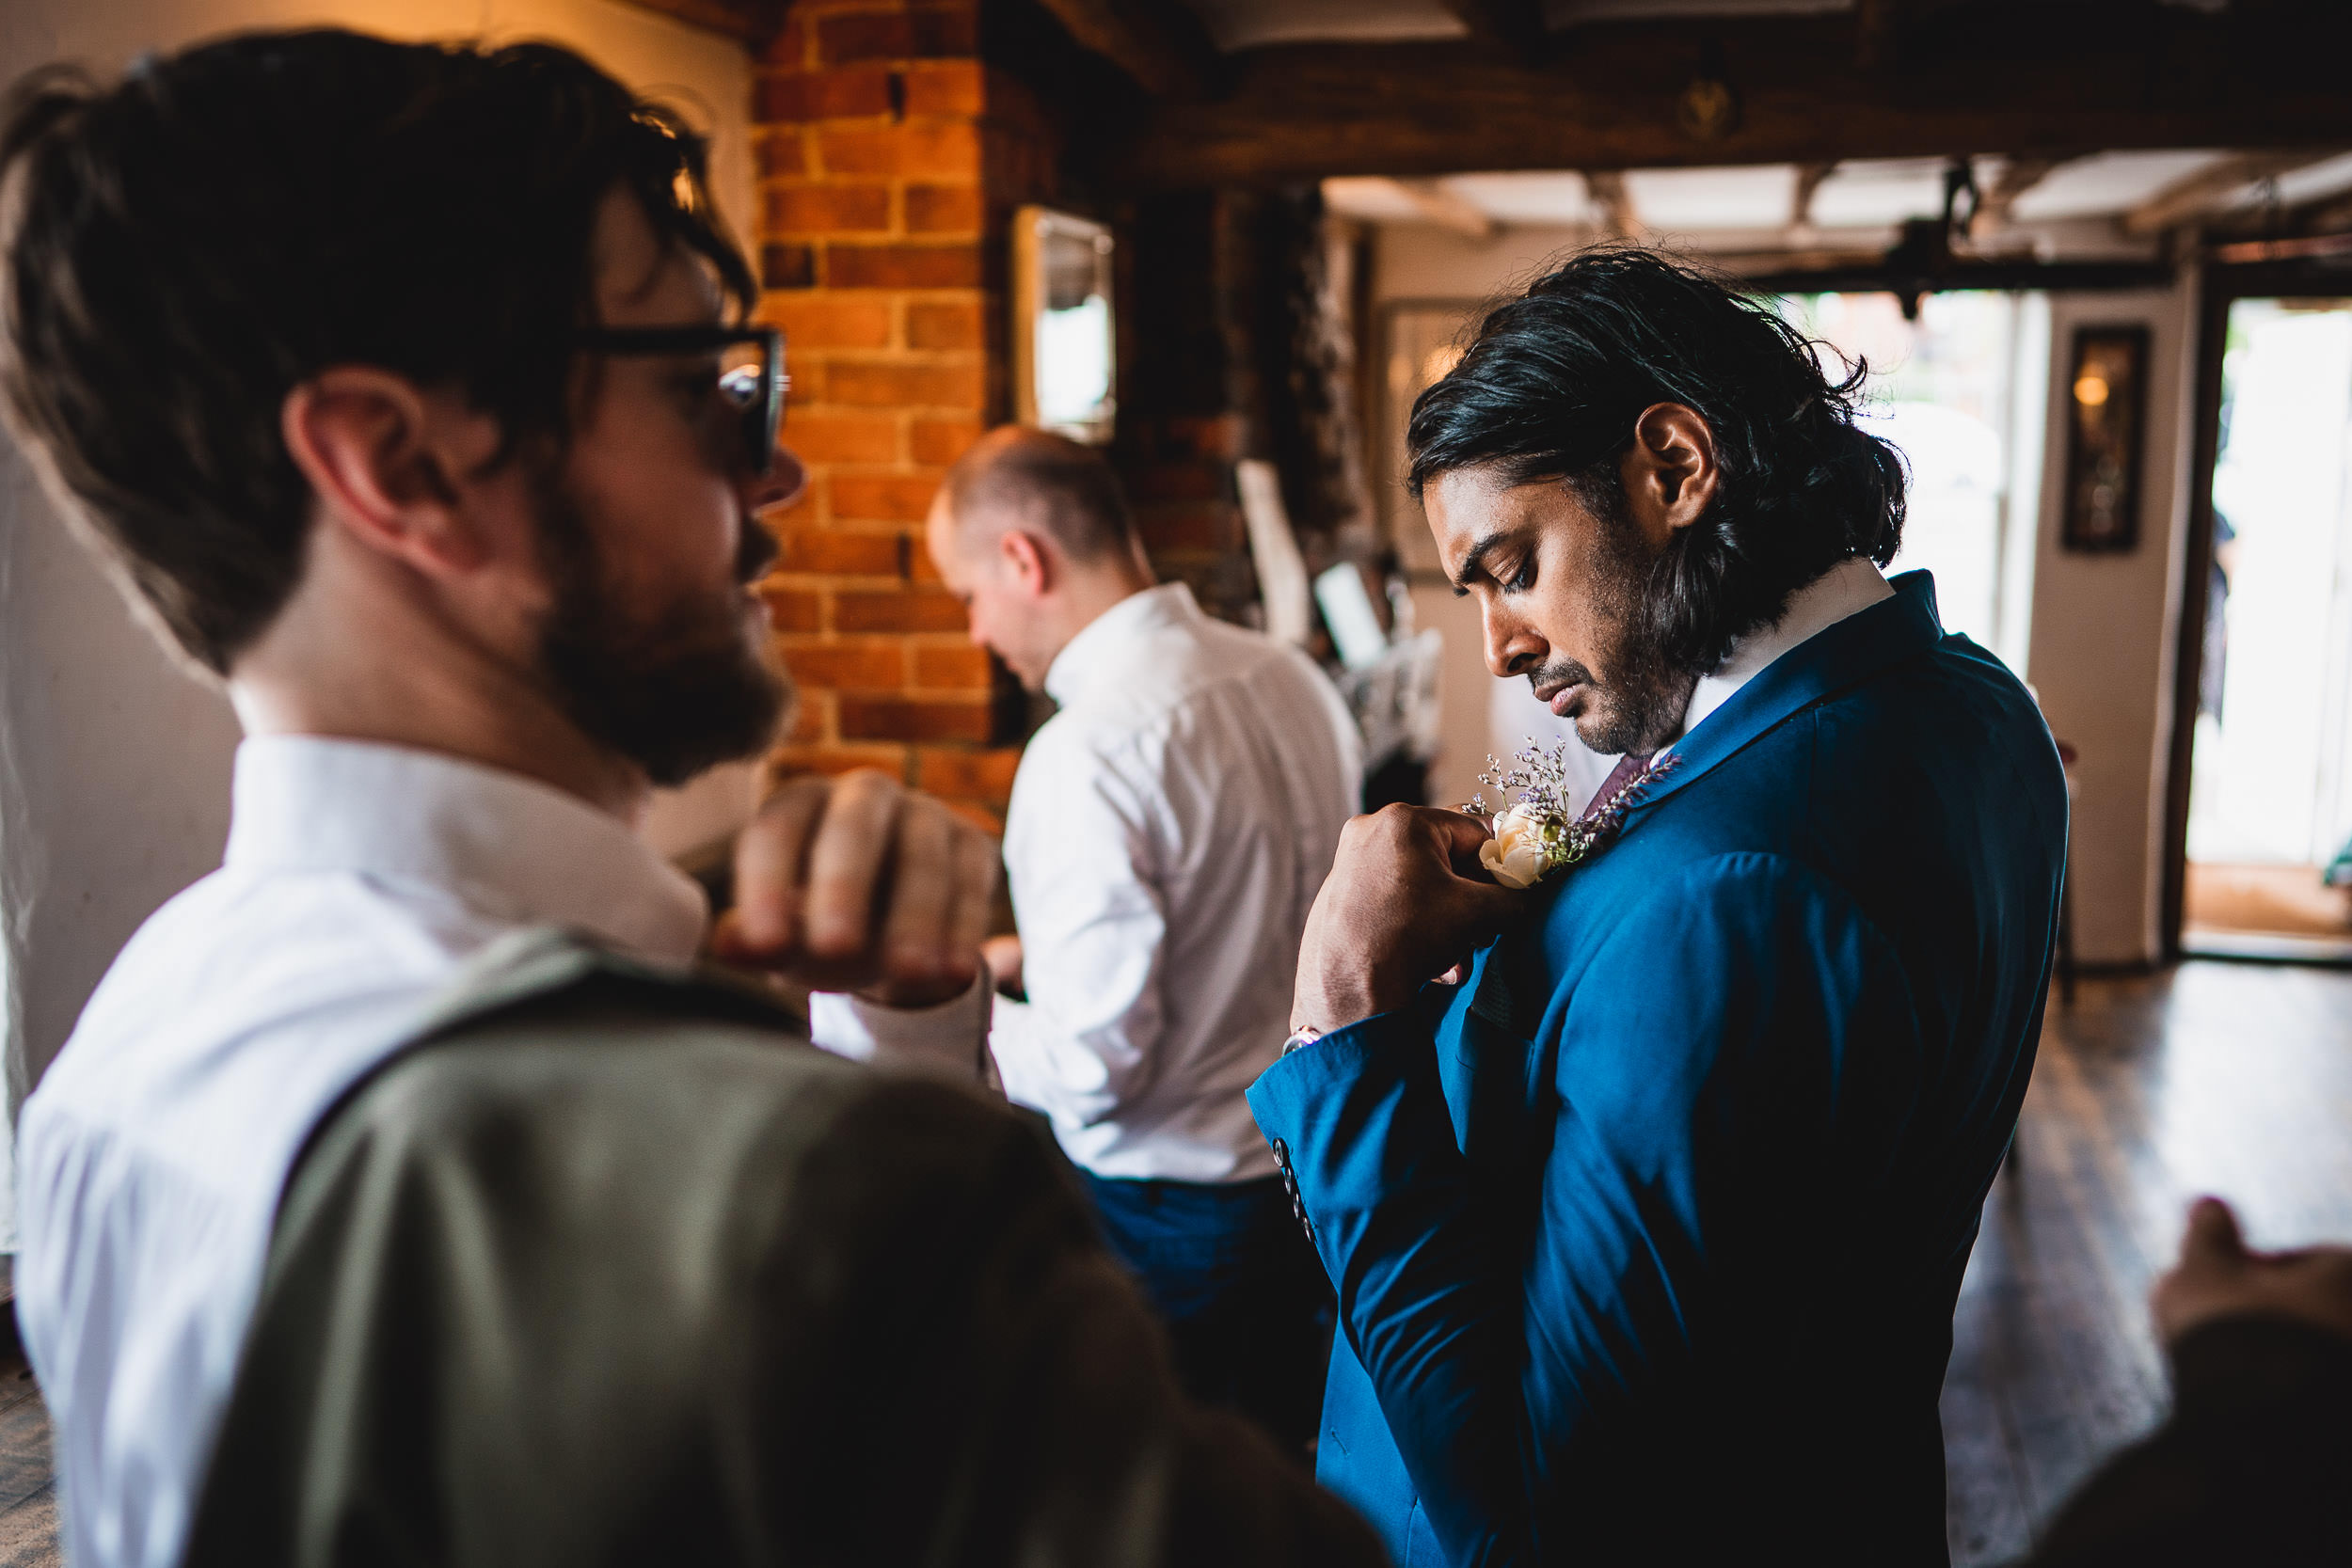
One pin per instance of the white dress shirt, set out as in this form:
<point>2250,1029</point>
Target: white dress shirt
<point>152,1157</point>
<point>1169,829</point>
<point>1849,588</point>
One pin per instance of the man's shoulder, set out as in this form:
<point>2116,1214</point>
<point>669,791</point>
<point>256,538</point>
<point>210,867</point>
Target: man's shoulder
<point>244,996</point>
<point>1174,674</point>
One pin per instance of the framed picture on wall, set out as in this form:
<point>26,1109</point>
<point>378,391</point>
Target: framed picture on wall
<point>2106,421</point>
<point>1422,338</point>
<point>1064,350</point>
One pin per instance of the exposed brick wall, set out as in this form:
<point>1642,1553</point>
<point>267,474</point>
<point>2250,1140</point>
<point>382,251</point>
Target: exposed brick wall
<point>890,159</point>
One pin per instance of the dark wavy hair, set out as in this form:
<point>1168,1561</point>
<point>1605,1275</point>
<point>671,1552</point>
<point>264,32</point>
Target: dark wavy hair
<point>1549,388</point>
<point>182,249</point>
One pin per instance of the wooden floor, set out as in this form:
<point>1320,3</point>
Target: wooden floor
<point>2231,1079</point>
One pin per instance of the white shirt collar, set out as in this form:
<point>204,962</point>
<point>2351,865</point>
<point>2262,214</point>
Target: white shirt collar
<point>507,846</point>
<point>1072,670</point>
<point>1849,588</point>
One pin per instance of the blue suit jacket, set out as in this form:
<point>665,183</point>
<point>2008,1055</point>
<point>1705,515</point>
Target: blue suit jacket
<point>1647,1236</point>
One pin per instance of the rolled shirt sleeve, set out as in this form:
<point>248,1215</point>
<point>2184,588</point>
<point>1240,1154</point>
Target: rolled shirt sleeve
<point>949,1040</point>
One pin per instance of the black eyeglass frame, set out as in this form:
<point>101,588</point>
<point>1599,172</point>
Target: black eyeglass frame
<point>759,395</point>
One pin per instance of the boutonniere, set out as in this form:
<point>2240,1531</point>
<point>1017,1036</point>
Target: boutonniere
<point>1537,835</point>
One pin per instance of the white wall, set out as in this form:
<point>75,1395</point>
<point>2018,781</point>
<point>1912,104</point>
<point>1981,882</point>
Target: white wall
<point>2105,628</point>
<point>114,764</point>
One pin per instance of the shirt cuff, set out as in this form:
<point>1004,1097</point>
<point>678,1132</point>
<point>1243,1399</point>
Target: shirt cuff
<point>949,1040</point>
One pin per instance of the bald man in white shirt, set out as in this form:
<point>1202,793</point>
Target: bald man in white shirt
<point>1168,829</point>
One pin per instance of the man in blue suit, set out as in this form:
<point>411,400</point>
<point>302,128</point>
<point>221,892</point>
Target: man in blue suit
<point>1646,1231</point>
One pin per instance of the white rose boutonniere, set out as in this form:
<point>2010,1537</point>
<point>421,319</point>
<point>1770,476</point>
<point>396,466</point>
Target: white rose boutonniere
<point>1514,856</point>
<point>1537,835</point>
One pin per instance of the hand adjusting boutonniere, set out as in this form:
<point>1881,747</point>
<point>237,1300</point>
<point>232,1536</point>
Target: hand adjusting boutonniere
<point>1537,835</point>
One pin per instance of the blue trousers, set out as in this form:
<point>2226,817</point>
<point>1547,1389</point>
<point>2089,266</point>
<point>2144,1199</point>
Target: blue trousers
<point>1241,1290</point>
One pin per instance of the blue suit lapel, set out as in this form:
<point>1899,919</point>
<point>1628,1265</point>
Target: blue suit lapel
<point>1494,1076</point>
<point>1838,656</point>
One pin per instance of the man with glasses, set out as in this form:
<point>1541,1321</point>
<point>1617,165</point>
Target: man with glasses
<point>407,389</point>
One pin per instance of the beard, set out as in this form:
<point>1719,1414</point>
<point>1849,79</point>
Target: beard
<point>1638,706</point>
<point>676,694</point>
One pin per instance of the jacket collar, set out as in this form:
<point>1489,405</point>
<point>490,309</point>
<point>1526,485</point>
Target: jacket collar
<point>1838,656</point>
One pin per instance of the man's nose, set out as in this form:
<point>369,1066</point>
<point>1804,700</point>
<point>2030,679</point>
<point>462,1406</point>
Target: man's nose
<point>780,485</point>
<point>1512,646</point>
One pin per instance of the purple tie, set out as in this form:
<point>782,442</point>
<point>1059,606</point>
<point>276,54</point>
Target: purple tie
<point>1628,768</point>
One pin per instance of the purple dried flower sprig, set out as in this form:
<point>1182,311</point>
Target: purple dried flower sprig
<point>1537,833</point>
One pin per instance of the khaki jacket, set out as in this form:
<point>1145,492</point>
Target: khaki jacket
<point>612,1267</point>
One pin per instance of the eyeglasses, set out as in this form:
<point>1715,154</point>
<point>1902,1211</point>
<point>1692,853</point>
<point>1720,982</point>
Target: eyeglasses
<point>756,391</point>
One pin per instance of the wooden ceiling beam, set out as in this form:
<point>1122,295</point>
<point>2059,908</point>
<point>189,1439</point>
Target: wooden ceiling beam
<point>2203,191</point>
<point>1506,23</point>
<point>1609,101</point>
<point>1809,178</point>
<point>1619,220</point>
<point>1160,45</point>
<point>2017,177</point>
<point>1448,209</point>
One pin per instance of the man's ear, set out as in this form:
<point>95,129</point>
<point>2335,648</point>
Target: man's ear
<point>1670,472</point>
<point>385,462</point>
<point>1028,559</point>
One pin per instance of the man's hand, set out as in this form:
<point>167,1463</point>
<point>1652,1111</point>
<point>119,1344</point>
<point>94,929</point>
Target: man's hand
<point>1406,900</point>
<point>857,884</point>
<point>2218,1277</point>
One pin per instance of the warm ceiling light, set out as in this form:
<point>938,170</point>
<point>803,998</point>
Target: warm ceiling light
<point>2092,390</point>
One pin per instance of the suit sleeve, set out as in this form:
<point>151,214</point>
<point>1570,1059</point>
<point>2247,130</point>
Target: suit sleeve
<point>1727,1004</point>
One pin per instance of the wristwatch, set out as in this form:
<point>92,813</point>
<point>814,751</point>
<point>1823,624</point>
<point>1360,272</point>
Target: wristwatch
<point>1300,1040</point>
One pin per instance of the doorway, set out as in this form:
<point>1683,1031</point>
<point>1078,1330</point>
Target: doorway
<point>2266,869</point>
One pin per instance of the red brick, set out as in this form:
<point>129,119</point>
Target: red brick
<point>933,385</point>
<point>947,87</point>
<point>976,775</point>
<point>942,209</point>
<point>884,498</point>
<point>847,666</point>
<point>940,442</point>
<point>788,266</point>
<point>828,208</point>
<point>900,719</point>
<point>787,762</point>
<point>948,149</point>
<point>823,94</point>
<point>790,611</point>
<point>842,438</point>
<point>952,669</point>
<point>790,47</point>
<point>829,321</point>
<point>990,822</point>
<point>812,718</point>
<point>948,325</point>
<point>840,552</point>
<point>917,609</point>
<point>780,151</point>
<point>902,266</point>
<point>942,32</point>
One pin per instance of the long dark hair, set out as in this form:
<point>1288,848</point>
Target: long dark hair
<point>1549,388</point>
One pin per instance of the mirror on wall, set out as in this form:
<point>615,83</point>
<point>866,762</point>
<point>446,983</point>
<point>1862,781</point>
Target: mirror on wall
<point>1063,344</point>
